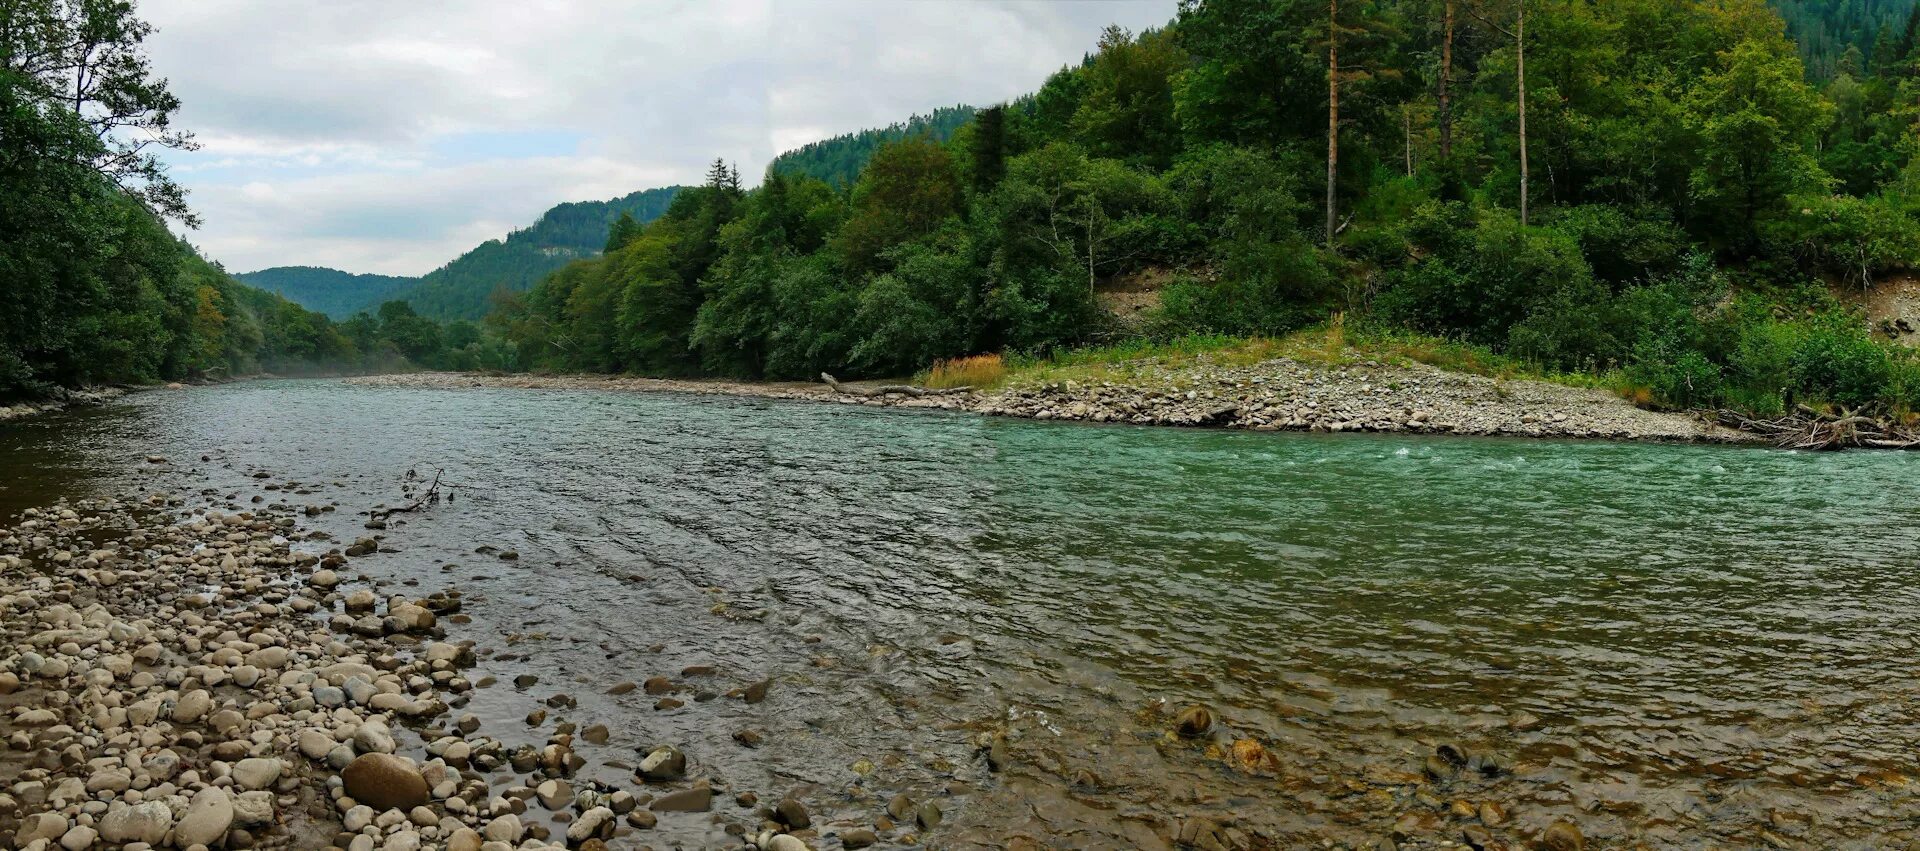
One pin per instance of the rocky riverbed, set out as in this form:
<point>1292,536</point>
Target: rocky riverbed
<point>186,673</point>
<point>1276,395</point>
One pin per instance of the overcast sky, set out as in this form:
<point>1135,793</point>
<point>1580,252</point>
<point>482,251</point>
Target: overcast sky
<point>391,136</point>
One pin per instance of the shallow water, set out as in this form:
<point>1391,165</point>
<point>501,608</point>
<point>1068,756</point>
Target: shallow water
<point>1669,645</point>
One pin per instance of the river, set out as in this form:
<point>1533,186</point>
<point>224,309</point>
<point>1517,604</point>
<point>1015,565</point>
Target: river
<point>1670,645</point>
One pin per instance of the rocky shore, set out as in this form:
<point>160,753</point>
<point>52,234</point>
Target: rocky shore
<point>180,673</point>
<point>1275,395</point>
<point>63,399</point>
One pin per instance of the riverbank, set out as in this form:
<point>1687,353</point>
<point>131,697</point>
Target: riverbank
<point>65,399</point>
<point>1277,394</point>
<point>178,673</point>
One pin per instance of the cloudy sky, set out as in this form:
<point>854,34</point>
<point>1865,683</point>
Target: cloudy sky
<point>389,137</point>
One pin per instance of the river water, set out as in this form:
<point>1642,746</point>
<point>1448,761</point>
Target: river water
<point>1670,646</point>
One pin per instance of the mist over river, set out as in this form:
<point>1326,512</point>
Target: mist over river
<point>1670,645</point>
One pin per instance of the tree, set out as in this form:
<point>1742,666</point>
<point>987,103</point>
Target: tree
<point>1127,109</point>
<point>86,56</point>
<point>907,190</point>
<point>623,231</point>
<point>1519,36</point>
<point>1756,120</point>
<point>988,148</point>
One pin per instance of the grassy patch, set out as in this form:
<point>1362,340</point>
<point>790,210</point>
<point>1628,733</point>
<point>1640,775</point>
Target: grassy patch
<point>1330,344</point>
<point>976,371</point>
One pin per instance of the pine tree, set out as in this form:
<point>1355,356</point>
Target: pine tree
<point>989,148</point>
<point>623,231</point>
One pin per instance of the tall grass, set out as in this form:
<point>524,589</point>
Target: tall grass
<point>979,371</point>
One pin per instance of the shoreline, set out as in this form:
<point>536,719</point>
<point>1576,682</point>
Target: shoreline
<point>1276,395</point>
<point>181,672</point>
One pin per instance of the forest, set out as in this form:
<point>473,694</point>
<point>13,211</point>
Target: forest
<point>465,288</point>
<point>838,160</point>
<point>97,289</point>
<point>1654,192</point>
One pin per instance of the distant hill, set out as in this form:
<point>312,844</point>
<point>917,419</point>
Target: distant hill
<point>330,291</point>
<point>838,160</point>
<point>463,289</point>
<point>1825,29</point>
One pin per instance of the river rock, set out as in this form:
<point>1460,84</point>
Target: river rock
<point>928,816</point>
<point>858,838</point>
<point>793,814</point>
<point>1563,836</point>
<point>373,737</point>
<point>253,808</point>
<point>505,828</point>
<point>663,764</point>
<point>256,773</point>
<point>1193,721</point>
<point>696,800</point>
<point>146,822</point>
<point>192,706</point>
<point>80,838</point>
<point>207,819</point>
<point>465,839</point>
<point>595,823</point>
<point>555,795</point>
<point>38,826</point>
<point>385,782</point>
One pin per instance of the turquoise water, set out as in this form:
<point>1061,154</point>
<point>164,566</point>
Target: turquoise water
<point>1673,645</point>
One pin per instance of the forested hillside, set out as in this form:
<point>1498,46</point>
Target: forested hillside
<point>96,290</point>
<point>1855,36</point>
<point>330,291</point>
<point>838,160</point>
<point>464,288</point>
<point>1650,200</point>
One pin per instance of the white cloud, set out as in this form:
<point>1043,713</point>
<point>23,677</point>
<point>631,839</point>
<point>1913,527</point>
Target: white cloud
<point>388,137</point>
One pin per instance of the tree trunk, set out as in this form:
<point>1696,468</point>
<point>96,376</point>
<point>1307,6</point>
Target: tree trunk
<point>1520,39</point>
<point>1446,78</point>
<point>1333,114</point>
<point>1406,120</point>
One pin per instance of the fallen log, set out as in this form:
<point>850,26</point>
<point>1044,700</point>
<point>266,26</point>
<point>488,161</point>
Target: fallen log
<point>1811,430</point>
<point>889,389</point>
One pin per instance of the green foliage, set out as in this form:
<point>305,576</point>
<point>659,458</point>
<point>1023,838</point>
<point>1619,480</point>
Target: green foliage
<point>1835,34</point>
<point>466,287</point>
<point>1682,209</point>
<point>838,161</point>
<point>330,291</point>
<point>907,191</point>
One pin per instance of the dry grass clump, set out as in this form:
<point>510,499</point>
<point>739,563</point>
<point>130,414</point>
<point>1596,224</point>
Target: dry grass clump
<point>973,371</point>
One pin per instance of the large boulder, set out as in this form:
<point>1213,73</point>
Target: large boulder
<point>144,822</point>
<point>385,782</point>
<point>209,815</point>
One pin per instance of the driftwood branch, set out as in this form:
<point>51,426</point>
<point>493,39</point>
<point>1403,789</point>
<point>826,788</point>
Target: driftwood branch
<point>1808,429</point>
<point>427,497</point>
<point>888,389</point>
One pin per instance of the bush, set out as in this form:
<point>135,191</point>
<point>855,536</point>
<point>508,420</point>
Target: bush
<point>1856,239</point>
<point>1269,290</point>
<point>1842,365</point>
<point>1624,245</point>
<point>1477,278</point>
